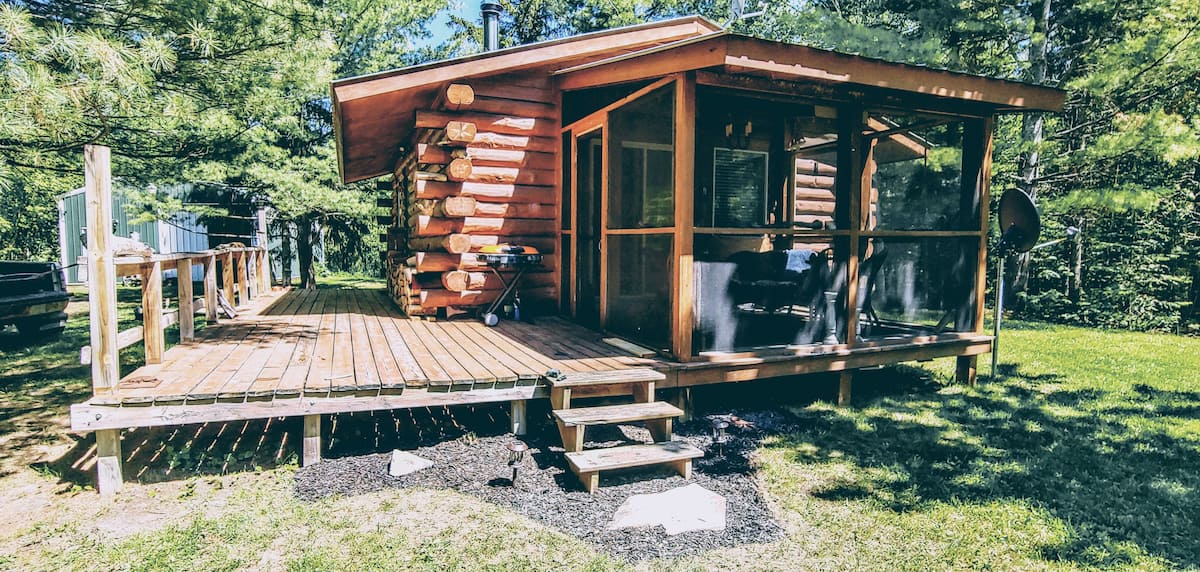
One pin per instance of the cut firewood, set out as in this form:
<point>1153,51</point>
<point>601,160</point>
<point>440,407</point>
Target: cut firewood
<point>453,243</point>
<point>448,207</point>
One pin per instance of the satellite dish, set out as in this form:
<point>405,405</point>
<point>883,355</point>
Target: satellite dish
<point>1020,223</point>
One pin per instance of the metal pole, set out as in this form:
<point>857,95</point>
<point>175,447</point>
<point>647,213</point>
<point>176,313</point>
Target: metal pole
<point>999,311</point>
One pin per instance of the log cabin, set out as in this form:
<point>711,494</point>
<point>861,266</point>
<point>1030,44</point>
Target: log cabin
<point>710,207</point>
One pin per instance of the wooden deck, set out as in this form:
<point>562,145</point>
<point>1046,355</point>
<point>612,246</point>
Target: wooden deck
<point>309,352</point>
<point>353,342</point>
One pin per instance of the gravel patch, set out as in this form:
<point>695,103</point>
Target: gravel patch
<point>548,492</point>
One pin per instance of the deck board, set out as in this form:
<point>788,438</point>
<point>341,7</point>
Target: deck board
<point>332,342</point>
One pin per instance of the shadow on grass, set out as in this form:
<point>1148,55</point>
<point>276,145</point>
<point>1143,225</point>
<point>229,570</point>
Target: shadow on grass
<point>1112,472</point>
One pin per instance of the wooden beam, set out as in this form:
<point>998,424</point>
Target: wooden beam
<point>210,289</point>
<point>187,314</point>
<point>682,277</point>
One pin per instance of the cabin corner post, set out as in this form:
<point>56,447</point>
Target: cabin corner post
<point>683,293</point>
<point>102,300</point>
<point>976,181</point>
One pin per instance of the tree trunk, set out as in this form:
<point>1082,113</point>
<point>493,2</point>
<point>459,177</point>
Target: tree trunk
<point>1033,125</point>
<point>306,235</point>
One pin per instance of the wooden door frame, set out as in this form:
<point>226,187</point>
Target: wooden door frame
<point>599,120</point>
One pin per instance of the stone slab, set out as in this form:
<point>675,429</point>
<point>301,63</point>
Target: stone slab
<point>678,510</point>
<point>404,463</point>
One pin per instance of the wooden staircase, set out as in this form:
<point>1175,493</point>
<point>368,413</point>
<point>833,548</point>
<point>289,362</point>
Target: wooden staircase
<point>656,415</point>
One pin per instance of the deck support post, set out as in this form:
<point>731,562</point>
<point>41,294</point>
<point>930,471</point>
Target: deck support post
<point>187,313</point>
<point>845,379</point>
<point>517,416</point>
<point>210,289</point>
<point>102,297</point>
<point>312,440</point>
<point>683,400</point>
<point>965,369</point>
<point>108,462</point>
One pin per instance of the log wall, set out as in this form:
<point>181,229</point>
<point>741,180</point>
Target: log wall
<point>479,171</point>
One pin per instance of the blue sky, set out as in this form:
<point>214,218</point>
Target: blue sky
<point>467,9</point>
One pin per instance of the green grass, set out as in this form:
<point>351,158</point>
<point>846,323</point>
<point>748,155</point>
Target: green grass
<point>1086,455</point>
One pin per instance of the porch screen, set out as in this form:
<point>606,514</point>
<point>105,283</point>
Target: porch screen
<point>639,235</point>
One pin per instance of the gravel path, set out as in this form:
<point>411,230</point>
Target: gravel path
<point>548,492</point>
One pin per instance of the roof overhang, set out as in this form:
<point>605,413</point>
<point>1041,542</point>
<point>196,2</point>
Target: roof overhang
<point>373,114</point>
<point>778,61</point>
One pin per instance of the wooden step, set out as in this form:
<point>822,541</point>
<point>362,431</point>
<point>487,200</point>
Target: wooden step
<point>623,413</point>
<point>588,464</point>
<point>612,377</point>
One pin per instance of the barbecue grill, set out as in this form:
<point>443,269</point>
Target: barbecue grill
<point>508,258</point>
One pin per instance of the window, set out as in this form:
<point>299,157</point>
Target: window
<point>739,187</point>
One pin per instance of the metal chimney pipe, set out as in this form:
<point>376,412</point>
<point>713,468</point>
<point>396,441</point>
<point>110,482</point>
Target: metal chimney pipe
<point>491,25</point>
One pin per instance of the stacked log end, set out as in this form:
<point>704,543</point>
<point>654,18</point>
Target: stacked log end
<point>480,171</point>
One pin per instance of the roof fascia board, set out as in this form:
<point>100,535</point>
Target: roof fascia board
<point>520,57</point>
<point>680,56</point>
<point>810,63</point>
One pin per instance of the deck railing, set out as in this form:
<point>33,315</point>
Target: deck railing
<point>104,267</point>
<point>246,275</point>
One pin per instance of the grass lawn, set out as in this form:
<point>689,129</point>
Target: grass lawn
<point>1086,455</point>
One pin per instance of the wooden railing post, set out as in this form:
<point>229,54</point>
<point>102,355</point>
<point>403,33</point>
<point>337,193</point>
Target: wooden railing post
<point>264,270</point>
<point>264,257</point>
<point>243,286</point>
<point>152,312</point>
<point>227,275</point>
<point>102,298</point>
<point>210,289</point>
<point>187,314</point>
<point>252,270</point>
